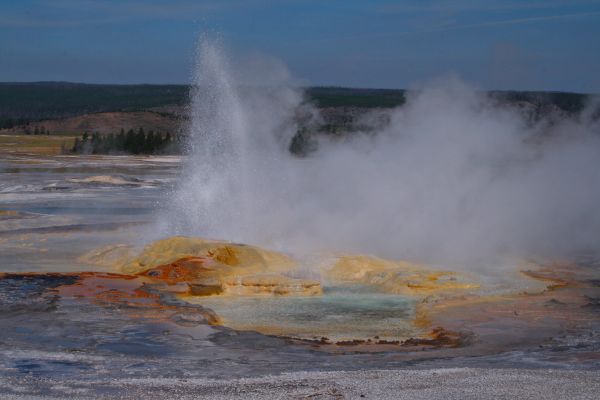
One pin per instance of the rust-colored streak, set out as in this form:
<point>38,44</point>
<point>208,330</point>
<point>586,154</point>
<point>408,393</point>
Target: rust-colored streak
<point>115,290</point>
<point>185,269</point>
<point>128,292</point>
<point>438,337</point>
<point>549,276</point>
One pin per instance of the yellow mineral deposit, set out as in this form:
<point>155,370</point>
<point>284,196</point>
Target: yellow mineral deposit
<point>8,213</point>
<point>397,277</point>
<point>113,256</point>
<point>103,179</point>
<point>232,278</point>
<point>242,259</point>
<point>208,267</point>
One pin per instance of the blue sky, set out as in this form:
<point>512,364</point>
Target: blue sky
<point>537,45</point>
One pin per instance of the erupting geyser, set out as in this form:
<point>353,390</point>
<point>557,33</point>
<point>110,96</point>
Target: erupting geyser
<point>455,178</point>
<point>238,136</point>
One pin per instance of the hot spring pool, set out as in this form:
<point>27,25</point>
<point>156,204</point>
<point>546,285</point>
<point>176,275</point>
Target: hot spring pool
<point>339,314</point>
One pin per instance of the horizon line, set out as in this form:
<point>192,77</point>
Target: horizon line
<point>303,87</point>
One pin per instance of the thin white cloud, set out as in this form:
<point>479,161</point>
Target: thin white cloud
<point>478,5</point>
<point>456,27</point>
<point>516,21</point>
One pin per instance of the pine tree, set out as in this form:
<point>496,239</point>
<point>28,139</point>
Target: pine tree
<point>129,141</point>
<point>109,143</point>
<point>76,146</point>
<point>140,141</point>
<point>149,145</point>
<point>120,141</point>
<point>159,143</point>
<point>96,143</point>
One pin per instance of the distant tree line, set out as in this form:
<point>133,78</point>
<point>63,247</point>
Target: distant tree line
<point>38,130</point>
<point>37,101</point>
<point>8,123</point>
<point>130,142</point>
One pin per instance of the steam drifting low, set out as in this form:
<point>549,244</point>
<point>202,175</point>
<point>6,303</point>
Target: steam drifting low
<point>453,178</point>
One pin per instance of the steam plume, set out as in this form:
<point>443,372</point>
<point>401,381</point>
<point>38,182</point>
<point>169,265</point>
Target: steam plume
<point>453,178</point>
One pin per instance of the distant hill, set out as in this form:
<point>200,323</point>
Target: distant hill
<point>53,100</point>
<point>563,101</point>
<point>349,97</point>
<point>67,110</point>
<point>104,123</point>
<point>21,103</point>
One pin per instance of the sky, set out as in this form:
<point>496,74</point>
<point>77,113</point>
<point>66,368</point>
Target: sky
<point>493,44</point>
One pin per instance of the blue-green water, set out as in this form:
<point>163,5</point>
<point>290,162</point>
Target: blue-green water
<point>339,314</point>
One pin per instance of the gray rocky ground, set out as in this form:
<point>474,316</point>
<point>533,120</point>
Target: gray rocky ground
<point>450,383</point>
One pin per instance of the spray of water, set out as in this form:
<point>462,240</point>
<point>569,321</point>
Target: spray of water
<point>453,178</point>
<point>241,123</point>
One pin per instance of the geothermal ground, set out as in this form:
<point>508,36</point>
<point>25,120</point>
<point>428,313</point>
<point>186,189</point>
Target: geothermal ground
<point>95,303</point>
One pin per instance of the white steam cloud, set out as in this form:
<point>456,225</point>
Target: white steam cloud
<point>454,178</point>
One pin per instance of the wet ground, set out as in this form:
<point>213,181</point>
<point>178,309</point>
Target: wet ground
<point>53,208</point>
<point>130,339</point>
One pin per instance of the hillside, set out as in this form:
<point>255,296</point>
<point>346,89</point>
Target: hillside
<point>72,109</point>
<point>27,102</point>
<point>21,102</point>
<point>104,123</point>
